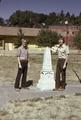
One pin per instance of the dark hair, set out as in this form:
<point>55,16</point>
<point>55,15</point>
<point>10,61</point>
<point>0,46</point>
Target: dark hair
<point>61,37</point>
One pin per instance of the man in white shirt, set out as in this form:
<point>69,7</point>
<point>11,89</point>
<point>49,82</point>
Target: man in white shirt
<point>63,51</point>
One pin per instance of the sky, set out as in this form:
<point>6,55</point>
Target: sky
<point>7,7</point>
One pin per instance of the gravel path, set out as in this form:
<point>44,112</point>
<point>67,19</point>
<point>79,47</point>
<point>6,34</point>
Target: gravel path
<point>8,93</point>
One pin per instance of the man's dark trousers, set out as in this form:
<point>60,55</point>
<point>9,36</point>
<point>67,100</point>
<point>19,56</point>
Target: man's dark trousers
<point>22,73</point>
<point>62,72</point>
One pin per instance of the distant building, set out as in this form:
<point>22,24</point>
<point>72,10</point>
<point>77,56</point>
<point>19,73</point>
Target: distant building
<point>8,35</point>
<point>68,31</point>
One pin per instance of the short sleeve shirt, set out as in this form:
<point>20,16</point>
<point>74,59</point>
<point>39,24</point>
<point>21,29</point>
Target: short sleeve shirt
<point>62,51</point>
<point>22,53</point>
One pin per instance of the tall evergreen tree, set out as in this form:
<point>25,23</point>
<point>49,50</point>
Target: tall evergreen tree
<point>20,36</point>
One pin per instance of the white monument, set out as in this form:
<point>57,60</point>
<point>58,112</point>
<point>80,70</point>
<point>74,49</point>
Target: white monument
<point>47,80</point>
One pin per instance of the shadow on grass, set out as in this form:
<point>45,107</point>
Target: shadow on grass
<point>29,83</point>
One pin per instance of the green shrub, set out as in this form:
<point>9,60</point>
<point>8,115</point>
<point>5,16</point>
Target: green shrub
<point>77,40</point>
<point>47,38</point>
<point>20,36</point>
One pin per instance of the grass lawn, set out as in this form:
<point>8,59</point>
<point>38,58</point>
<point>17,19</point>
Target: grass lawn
<point>8,68</point>
<point>66,107</point>
<point>55,108</point>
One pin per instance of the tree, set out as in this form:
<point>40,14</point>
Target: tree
<point>77,39</point>
<point>20,36</point>
<point>51,19</point>
<point>67,15</point>
<point>26,19</point>
<point>61,17</point>
<point>32,19</point>
<point>47,38</point>
<point>79,19</point>
<point>2,21</point>
<point>72,19</point>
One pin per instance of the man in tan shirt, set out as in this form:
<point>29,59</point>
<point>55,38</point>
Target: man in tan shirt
<point>63,51</point>
<point>22,56</point>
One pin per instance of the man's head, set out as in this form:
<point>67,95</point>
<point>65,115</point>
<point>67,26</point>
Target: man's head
<point>24,42</point>
<point>61,41</point>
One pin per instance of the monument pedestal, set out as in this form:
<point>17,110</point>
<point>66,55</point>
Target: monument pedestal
<point>47,80</point>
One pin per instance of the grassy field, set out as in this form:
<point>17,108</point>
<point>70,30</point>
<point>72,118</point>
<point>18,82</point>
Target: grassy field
<point>8,68</point>
<point>55,108</point>
<point>66,107</point>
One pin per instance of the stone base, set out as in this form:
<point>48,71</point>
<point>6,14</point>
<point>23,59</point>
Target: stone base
<point>47,81</point>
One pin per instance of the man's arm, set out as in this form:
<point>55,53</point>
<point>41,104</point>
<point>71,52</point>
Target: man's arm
<point>28,60</point>
<point>66,61</point>
<point>67,55</point>
<point>19,63</point>
<point>54,49</point>
<point>18,57</point>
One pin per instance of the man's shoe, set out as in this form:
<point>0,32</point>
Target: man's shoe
<point>25,88</point>
<point>17,89</point>
<point>61,89</point>
<point>54,89</point>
